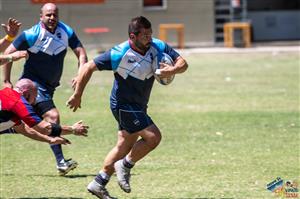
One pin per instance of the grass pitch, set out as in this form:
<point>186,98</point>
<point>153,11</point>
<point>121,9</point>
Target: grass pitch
<point>230,126</point>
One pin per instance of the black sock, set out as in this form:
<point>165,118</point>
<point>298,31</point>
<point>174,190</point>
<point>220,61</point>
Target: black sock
<point>57,150</point>
<point>127,164</point>
<point>101,180</point>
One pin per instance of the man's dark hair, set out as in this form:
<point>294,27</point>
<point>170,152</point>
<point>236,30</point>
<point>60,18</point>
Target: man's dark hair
<point>137,24</point>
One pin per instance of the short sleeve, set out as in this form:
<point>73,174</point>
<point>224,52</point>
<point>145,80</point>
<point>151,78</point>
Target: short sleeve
<point>103,61</point>
<point>170,51</point>
<point>21,43</point>
<point>74,42</point>
<point>26,113</point>
<point>163,47</point>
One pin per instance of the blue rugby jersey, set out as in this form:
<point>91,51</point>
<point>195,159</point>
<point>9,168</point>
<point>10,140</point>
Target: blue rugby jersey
<point>134,73</point>
<point>46,52</point>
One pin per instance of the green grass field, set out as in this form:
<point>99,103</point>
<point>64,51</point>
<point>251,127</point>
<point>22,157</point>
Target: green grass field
<point>230,126</point>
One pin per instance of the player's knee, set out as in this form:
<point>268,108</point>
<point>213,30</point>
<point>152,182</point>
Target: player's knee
<point>52,116</point>
<point>154,141</point>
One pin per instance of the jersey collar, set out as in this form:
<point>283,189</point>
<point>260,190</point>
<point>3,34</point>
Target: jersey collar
<point>133,47</point>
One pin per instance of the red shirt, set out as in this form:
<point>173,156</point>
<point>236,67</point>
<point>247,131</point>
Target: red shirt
<point>14,108</point>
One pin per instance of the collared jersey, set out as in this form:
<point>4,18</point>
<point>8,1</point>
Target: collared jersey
<point>133,72</point>
<point>14,108</point>
<point>46,52</point>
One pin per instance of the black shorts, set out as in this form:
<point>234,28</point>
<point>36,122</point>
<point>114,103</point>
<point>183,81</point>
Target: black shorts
<point>43,107</point>
<point>132,117</point>
<point>44,100</point>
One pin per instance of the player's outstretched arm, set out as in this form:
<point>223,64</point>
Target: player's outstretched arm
<point>84,76</point>
<point>11,29</point>
<point>82,59</point>
<point>7,68</point>
<point>77,128</point>
<point>54,130</point>
<point>4,59</point>
<point>31,133</point>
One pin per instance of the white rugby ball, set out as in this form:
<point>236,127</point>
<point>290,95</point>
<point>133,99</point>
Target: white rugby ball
<point>168,60</point>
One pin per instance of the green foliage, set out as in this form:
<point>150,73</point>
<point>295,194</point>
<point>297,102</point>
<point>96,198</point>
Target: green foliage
<point>230,126</point>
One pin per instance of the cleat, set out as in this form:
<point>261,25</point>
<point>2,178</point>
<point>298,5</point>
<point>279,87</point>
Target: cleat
<point>123,176</point>
<point>98,190</point>
<point>65,166</point>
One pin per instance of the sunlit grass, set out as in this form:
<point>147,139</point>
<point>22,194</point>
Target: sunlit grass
<point>230,126</point>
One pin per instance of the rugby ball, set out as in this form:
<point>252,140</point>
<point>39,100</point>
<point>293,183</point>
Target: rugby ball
<point>168,60</point>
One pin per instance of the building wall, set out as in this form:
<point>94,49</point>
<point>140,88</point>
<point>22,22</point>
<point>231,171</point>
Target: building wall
<point>196,15</point>
<point>274,19</point>
<point>275,25</point>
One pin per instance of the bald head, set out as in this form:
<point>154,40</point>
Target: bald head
<point>25,84</point>
<point>27,88</point>
<point>49,6</point>
<point>49,16</point>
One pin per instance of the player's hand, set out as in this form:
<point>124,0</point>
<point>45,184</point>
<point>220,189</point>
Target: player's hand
<point>74,83</point>
<point>59,140</point>
<point>12,27</point>
<point>166,70</point>
<point>74,102</point>
<point>7,84</point>
<point>80,129</point>
<point>19,55</point>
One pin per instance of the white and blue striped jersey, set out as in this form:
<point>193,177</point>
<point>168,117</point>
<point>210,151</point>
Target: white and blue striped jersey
<point>46,52</point>
<point>134,73</point>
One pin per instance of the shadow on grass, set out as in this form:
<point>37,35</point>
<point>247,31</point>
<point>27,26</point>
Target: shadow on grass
<point>67,176</point>
<point>79,176</point>
<point>48,198</point>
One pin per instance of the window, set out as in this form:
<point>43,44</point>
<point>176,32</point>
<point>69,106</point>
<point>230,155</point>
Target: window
<point>273,5</point>
<point>155,4</point>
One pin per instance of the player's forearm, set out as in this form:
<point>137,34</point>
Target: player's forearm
<point>84,76</point>
<point>180,65</point>
<point>32,134</point>
<point>66,130</point>
<point>82,57</point>
<point>7,67</point>
<point>4,59</point>
<point>7,72</point>
<point>4,44</point>
<point>54,129</point>
<point>78,128</point>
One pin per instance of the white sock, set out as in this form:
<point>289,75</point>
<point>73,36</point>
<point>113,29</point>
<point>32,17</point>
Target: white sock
<point>104,175</point>
<point>129,160</point>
